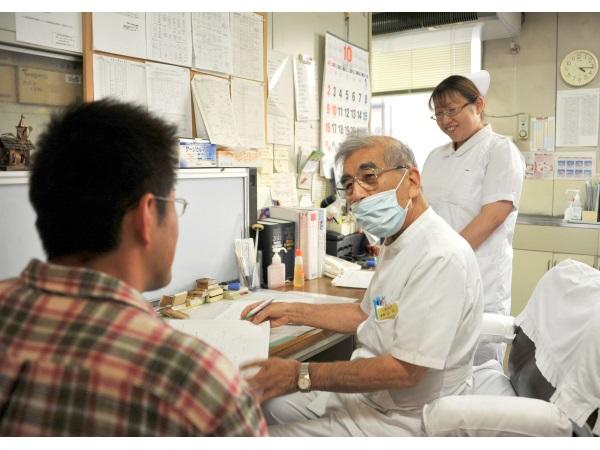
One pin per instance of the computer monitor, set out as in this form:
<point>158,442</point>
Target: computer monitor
<point>222,204</point>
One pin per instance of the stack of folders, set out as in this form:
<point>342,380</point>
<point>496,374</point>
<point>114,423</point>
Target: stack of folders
<point>310,235</point>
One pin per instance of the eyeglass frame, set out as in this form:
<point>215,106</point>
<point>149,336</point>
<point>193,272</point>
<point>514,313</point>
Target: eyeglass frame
<point>447,113</point>
<point>180,201</point>
<point>378,171</point>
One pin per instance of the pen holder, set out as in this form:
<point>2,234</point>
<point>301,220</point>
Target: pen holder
<point>243,272</point>
<point>249,277</point>
<point>255,278</point>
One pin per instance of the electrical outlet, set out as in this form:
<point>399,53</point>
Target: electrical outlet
<point>523,127</point>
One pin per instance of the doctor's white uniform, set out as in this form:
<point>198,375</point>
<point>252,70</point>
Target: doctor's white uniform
<point>431,274</point>
<point>485,169</point>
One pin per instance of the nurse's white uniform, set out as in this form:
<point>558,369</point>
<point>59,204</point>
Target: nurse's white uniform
<point>485,169</point>
<point>431,273</point>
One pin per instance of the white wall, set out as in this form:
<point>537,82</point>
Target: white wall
<point>528,81</point>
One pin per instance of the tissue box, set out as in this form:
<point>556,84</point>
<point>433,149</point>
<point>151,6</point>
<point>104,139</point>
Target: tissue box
<point>197,153</point>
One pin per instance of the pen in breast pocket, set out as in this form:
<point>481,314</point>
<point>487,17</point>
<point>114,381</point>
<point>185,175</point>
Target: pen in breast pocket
<point>376,302</point>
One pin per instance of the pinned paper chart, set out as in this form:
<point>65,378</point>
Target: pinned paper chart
<point>247,39</point>
<point>121,79</point>
<point>169,96</point>
<point>280,107</point>
<point>169,37</point>
<point>212,100</point>
<point>211,41</point>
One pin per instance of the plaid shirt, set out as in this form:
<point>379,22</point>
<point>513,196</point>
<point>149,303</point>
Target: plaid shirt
<point>83,354</point>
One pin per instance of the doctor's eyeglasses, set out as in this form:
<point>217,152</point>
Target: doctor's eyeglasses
<point>367,178</point>
<point>449,112</point>
<point>180,204</point>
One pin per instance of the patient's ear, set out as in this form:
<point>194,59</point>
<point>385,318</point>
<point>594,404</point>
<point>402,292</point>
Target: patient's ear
<point>144,218</point>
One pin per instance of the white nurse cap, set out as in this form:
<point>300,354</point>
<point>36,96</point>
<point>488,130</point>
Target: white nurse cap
<point>481,80</point>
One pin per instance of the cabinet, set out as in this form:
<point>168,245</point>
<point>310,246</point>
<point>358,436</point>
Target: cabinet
<point>537,248</point>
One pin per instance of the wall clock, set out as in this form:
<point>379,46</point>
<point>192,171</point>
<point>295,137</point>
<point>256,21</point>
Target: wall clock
<point>579,67</point>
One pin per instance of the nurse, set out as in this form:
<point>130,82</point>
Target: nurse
<point>474,182</point>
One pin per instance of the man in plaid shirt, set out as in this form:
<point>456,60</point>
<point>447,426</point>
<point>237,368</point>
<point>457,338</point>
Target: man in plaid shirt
<point>81,352</point>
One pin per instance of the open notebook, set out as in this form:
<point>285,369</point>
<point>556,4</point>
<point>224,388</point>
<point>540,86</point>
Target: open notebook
<point>239,340</point>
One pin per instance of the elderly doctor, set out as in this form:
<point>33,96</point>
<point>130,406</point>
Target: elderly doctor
<point>417,346</point>
<point>474,182</point>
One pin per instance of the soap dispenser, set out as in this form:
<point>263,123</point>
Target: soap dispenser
<point>568,209</point>
<point>576,208</point>
<point>573,211</point>
<point>276,271</point>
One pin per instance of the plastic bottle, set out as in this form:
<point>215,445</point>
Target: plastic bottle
<point>568,209</point>
<point>576,208</point>
<point>573,211</point>
<point>276,271</point>
<point>298,269</point>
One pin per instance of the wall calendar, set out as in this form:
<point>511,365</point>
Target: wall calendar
<point>346,99</point>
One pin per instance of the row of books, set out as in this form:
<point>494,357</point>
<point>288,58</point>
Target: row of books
<point>292,228</point>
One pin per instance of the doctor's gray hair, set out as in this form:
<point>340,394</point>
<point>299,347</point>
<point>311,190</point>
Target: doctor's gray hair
<point>395,153</point>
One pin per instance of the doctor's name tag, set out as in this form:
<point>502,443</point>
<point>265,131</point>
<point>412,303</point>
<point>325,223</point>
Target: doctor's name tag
<point>386,312</point>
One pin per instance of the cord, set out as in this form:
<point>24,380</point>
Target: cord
<point>505,116</point>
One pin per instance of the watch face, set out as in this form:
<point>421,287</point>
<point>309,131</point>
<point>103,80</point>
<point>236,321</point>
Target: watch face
<point>579,67</point>
<point>304,384</point>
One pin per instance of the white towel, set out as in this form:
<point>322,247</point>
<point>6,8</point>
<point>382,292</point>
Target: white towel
<point>578,395</point>
<point>562,318</point>
<point>557,315</point>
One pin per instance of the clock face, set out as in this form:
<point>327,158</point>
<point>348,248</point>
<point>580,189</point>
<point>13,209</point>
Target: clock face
<point>579,67</point>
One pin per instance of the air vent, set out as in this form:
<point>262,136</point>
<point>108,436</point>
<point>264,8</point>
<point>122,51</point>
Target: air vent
<point>389,22</point>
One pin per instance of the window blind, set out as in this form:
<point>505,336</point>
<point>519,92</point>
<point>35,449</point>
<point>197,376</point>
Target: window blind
<point>418,68</point>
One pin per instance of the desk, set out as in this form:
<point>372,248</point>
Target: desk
<point>316,341</point>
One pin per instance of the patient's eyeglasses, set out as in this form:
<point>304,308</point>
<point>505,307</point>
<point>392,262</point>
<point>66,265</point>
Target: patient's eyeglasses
<point>180,204</point>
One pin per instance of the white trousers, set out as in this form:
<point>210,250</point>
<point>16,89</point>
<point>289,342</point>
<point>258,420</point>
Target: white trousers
<point>489,350</point>
<point>329,414</point>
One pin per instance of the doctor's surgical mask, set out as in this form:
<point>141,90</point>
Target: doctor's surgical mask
<point>367,178</point>
<point>380,214</point>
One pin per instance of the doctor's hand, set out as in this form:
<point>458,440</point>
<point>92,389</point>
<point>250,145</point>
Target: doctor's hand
<point>276,377</point>
<point>277,313</point>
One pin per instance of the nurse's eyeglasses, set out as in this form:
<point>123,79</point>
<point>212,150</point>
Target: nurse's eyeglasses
<point>367,178</point>
<point>448,112</point>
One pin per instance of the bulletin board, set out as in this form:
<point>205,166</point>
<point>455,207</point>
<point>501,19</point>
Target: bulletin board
<point>128,55</point>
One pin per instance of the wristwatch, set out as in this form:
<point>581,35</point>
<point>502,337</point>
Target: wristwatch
<point>304,378</point>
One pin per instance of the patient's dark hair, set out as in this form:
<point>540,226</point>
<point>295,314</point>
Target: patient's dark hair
<point>94,162</point>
